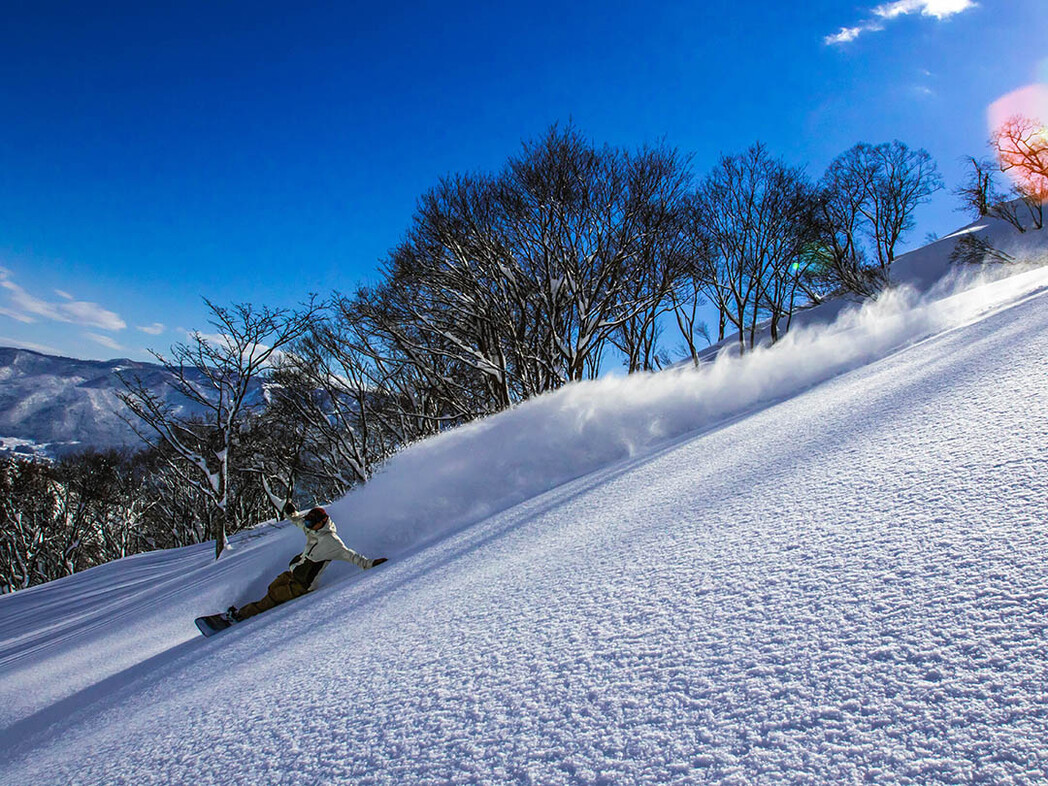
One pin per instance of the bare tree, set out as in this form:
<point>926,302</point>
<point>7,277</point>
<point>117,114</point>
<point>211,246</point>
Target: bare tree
<point>219,377</point>
<point>686,300</point>
<point>973,249</point>
<point>326,392</point>
<point>755,215</point>
<point>27,505</point>
<point>57,518</point>
<point>99,502</point>
<point>1021,146</point>
<point>175,514</point>
<point>792,227</point>
<point>981,195</point>
<point>841,217</point>
<point>509,285</point>
<point>577,218</point>
<point>903,180</point>
<point>725,206</point>
<point>455,296</point>
<point>978,192</point>
<point>659,180</point>
<point>874,189</point>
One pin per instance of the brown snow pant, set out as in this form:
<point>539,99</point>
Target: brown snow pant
<point>283,588</point>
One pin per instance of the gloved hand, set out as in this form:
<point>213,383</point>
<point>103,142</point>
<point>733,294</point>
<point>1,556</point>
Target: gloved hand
<point>289,508</point>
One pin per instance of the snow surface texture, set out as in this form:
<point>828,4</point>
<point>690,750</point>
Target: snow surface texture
<point>822,563</point>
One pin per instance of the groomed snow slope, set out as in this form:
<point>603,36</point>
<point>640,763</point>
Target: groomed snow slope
<point>823,563</point>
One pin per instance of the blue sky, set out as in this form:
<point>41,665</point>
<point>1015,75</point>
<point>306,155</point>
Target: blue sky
<point>153,155</point>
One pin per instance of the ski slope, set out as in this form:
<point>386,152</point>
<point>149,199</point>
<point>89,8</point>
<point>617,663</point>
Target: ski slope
<point>822,563</point>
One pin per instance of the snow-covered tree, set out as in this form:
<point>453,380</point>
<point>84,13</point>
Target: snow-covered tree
<point>219,376</point>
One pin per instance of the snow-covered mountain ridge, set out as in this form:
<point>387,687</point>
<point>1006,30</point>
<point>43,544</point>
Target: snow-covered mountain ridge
<point>821,563</point>
<point>52,405</point>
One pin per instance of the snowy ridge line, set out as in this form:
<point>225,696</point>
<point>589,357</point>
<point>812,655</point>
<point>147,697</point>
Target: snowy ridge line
<point>437,486</point>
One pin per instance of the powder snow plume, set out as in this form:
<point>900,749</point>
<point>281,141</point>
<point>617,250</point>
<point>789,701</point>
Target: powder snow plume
<point>458,478</point>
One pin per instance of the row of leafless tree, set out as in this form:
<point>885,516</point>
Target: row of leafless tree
<point>512,284</point>
<point>506,285</point>
<point>533,277</point>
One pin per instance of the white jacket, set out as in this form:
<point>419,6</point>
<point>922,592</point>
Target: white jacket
<point>322,546</point>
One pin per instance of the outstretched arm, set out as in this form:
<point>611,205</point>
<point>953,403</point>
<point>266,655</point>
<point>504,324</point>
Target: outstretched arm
<point>295,517</point>
<point>334,548</point>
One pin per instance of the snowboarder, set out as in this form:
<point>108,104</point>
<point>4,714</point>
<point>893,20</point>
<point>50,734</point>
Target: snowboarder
<point>322,545</point>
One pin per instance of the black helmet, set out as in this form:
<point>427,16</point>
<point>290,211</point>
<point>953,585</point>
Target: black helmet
<point>316,516</point>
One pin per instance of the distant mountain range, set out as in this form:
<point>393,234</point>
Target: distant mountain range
<point>54,405</point>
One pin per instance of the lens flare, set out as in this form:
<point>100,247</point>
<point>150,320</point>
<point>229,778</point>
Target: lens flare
<point>1019,136</point>
<point>1030,102</point>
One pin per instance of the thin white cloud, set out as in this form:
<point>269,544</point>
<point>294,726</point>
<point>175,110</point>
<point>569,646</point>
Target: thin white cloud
<point>20,344</point>
<point>220,343</point>
<point>30,307</point>
<point>105,341</point>
<point>16,315</point>
<point>220,340</point>
<point>91,315</point>
<point>938,9</point>
<point>154,330</point>
<point>845,35</point>
<point>24,307</point>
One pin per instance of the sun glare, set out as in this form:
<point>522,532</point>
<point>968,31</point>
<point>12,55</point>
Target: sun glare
<point>1018,124</point>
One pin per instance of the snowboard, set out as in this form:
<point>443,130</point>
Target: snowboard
<point>212,624</point>
<point>216,623</point>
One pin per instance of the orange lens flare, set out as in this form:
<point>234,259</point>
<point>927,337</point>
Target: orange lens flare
<point>1019,129</point>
